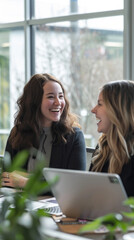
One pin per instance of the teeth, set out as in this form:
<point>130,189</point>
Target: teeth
<point>98,120</point>
<point>55,110</point>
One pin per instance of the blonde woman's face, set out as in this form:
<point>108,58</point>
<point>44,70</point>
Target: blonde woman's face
<point>103,122</point>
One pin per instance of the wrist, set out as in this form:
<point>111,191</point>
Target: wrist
<point>23,182</point>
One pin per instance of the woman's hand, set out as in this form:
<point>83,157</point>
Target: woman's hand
<point>14,179</point>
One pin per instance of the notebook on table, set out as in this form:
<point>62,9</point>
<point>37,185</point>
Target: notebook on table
<point>87,195</point>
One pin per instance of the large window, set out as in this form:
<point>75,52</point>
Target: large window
<point>81,42</point>
<point>11,78</point>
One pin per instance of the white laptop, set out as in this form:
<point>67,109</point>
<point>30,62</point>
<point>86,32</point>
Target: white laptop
<point>87,195</point>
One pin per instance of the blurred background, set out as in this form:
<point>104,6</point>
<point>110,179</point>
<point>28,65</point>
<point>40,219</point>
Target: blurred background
<point>83,43</point>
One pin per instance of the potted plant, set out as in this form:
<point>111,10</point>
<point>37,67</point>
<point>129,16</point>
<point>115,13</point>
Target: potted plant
<point>16,223</point>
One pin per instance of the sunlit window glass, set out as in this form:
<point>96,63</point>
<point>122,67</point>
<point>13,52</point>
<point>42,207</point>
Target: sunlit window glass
<point>11,10</point>
<point>11,78</point>
<point>52,8</point>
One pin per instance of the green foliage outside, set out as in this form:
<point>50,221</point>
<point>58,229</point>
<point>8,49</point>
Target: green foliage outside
<point>4,93</point>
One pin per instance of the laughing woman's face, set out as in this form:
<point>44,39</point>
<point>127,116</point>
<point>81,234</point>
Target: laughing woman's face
<point>103,121</point>
<point>53,103</point>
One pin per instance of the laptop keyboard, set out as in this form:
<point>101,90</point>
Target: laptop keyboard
<point>55,210</point>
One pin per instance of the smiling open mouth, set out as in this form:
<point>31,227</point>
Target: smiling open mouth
<point>98,120</point>
<point>55,110</point>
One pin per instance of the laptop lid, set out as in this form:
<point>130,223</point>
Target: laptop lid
<point>87,195</point>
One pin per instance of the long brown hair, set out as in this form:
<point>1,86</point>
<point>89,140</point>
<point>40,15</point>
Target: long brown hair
<point>27,124</point>
<point>117,145</point>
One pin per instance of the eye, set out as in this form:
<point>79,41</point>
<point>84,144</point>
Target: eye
<point>99,103</point>
<point>61,96</point>
<point>50,96</point>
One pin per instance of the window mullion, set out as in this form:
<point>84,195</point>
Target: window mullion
<point>128,39</point>
<point>27,37</point>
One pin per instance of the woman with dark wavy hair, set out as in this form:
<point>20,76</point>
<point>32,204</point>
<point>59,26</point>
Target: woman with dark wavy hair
<point>115,120</point>
<point>44,122</point>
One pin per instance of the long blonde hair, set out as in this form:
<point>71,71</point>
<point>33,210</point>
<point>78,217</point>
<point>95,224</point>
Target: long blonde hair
<point>117,146</point>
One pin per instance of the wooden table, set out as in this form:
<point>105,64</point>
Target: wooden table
<point>74,228</point>
<point>68,226</point>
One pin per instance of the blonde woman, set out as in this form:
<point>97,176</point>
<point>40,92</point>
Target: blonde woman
<point>115,120</point>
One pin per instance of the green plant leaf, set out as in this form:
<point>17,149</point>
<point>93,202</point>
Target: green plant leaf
<point>129,201</point>
<point>91,226</point>
<point>19,160</point>
<point>6,161</point>
<point>129,215</point>
<point>111,221</point>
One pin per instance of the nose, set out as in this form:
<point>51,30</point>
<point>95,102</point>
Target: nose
<point>93,110</point>
<point>57,101</point>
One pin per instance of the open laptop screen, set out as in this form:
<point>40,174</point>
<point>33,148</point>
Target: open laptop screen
<point>88,195</point>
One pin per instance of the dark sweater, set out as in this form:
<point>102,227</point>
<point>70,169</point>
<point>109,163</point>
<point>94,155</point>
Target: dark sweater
<point>127,175</point>
<point>70,155</point>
